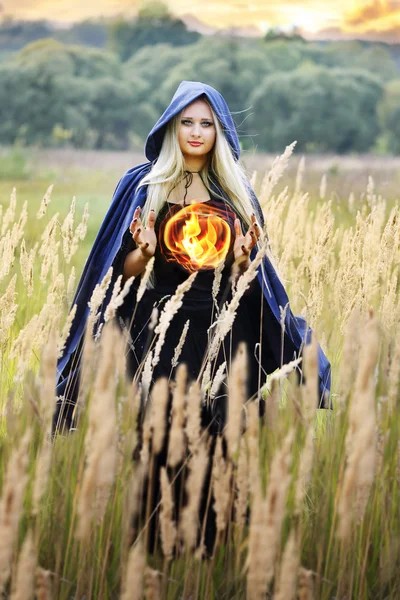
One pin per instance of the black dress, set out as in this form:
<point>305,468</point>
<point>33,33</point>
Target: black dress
<point>198,306</point>
<point>171,268</point>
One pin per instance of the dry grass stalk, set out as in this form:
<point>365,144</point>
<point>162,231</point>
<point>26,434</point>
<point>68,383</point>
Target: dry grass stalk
<point>224,322</point>
<point>159,403</point>
<point>11,504</point>
<point>280,374</point>
<point>101,439</point>
<point>266,522</point>
<point>237,383</point>
<point>43,461</point>
<point>25,577</point>
<point>360,440</point>
<point>221,482</point>
<point>176,446</point>
<point>9,215</point>
<point>81,230</point>
<point>167,524</point>
<point>45,202</point>
<point>304,471</point>
<point>189,522</point>
<point>26,261</point>
<point>217,282</point>
<point>305,590</point>
<point>310,395</point>
<point>88,368</point>
<point>66,329</point>
<point>170,309</point>
<point>394,376</point>
<point>96,300</point>
<point>242,485</point>
<point>256,580</point>
<point>146,440</point>
<point>273,176</point>
<point>252,426</point>
<point>8,309</point>
<point>193,415</point>
<point>117,297</point>
<point>147,375</point>
<point>218,379</point>
<point>49,248</point>
<point>178,349</point>
<point>43,585</point>
<point>134,576</point>
<point>350,353</point>
<point>287,582</point>
<point>67,232</point>
<point>144,279</point>
<point>152,583</point>
<point>71,286</point>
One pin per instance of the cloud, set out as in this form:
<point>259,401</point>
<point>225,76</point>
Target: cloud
<point>372,12</point>
<point>390,36</point>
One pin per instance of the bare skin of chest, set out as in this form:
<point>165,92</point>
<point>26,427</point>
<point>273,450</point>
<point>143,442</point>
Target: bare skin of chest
<point>196,192</point>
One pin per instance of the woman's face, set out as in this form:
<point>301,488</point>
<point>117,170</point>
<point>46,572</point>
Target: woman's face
<point>196,125</point>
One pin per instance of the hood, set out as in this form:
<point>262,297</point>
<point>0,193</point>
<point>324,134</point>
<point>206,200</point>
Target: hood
<point>187,92</point>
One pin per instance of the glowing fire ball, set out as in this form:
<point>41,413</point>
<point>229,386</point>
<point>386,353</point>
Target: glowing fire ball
<point>197,236</point>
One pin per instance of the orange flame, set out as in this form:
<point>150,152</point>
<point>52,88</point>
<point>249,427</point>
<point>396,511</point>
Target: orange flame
<point>197,236</point>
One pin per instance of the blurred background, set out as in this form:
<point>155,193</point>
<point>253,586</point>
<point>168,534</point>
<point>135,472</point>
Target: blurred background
<point>81,84</point>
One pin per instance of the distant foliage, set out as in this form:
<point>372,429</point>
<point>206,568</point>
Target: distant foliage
<point>331,97</point>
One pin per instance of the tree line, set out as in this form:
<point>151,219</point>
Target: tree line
<point>331,97</point>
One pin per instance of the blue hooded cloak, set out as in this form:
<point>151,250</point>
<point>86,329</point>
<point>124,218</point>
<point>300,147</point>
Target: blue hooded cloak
<point>109,241</point>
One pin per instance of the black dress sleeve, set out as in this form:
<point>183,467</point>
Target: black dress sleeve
<point>127,245</point>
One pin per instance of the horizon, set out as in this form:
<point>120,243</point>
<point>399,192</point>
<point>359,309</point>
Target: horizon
<point>375,19</point>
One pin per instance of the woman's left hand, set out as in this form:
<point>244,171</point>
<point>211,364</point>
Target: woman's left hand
<point>244,243</point>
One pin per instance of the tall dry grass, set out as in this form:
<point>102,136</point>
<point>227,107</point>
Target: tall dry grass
<point>306,502</point>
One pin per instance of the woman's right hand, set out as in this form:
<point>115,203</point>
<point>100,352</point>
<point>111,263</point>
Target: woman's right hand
<point>145,237</point>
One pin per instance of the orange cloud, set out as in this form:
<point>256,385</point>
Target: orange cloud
<point>373,11</point>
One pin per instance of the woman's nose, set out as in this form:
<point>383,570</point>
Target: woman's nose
<point>196,129</point>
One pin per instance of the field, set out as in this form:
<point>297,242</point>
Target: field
<point>306,501</point>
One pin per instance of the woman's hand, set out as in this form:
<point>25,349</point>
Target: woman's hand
<point>144,237</point>
<point>244,243</point>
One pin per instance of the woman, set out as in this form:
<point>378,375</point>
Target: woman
<point>194,175</point>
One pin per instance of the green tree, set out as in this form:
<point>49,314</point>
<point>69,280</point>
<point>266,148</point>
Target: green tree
<point>323,109</point>
<point>379,61</point>
<point>60,58</point>
<point>389,115</point>
<point>154,25</point>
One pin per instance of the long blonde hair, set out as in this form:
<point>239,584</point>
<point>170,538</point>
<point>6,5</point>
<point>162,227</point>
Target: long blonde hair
<point>169,170</point>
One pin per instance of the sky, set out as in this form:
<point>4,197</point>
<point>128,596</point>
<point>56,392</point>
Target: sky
<point>381,17</point>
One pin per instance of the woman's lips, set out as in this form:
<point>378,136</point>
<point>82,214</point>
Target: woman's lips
<point>195,143</point>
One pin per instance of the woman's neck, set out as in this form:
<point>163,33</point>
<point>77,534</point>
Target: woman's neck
<point>193,164</point>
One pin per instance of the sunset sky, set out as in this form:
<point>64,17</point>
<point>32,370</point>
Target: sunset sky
<point>356,16</point>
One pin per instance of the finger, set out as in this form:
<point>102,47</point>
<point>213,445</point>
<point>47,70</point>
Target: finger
<point>245,250</point>
<point>238,227</point>
<point>136,235</point>
<point>144,246</point>
<point>152,218</point>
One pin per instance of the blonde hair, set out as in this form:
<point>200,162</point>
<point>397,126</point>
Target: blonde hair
<point>169,170</point>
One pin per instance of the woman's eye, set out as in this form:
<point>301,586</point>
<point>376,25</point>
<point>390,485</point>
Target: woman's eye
<point>188,122</point>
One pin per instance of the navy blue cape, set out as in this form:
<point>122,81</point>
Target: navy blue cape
<point>119,216</point>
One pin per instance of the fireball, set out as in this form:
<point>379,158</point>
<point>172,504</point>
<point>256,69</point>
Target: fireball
<point>197,236</point>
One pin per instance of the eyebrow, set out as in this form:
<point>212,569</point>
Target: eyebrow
<point>202,119</point>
